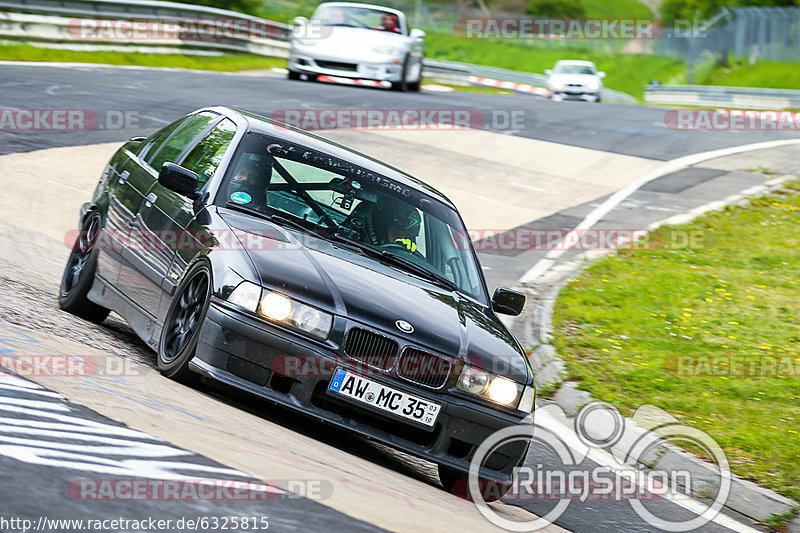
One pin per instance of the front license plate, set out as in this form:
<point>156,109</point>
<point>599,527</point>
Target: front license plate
<point>384,398</point>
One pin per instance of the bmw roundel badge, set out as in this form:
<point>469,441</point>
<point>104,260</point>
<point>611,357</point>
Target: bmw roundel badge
<point>404,326</point>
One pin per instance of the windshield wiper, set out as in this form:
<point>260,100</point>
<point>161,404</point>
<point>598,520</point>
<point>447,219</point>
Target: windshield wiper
<point>273,217</point>
<point>398,260</point>
<point>419,270</point>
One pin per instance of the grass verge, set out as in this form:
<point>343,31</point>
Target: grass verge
<point>704,322</point>
<point>771,74</point>
<point>226,63</point>
<point>629,73</point>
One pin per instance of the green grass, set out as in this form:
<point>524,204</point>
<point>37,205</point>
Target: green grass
<point>617,9</point>
<point>733,293</point>
<point>629,73</point>
<point>228,62</point>
<point>777,75</point>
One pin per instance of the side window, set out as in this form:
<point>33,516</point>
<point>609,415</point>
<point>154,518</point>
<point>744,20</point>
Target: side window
<point>183,137</point>
<point>157,139</point>
<point>206,156</point>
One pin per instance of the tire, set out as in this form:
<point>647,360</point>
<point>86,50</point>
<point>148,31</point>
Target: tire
<point>402,85</point>
<point>292,75</point>
<point>182,324</point>
<point>79,273</point>
<point>457,482</point>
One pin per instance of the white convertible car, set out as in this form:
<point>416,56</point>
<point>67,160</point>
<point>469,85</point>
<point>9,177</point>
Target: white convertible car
<point>358,41</point>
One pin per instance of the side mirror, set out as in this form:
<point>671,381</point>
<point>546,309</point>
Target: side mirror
<point>508,301</point>
<point>601,74</point>
<point>178,179</point>
<point>548,71</point>
<point>300,21</point>
<point>137,139</point>
<point>416,34</point>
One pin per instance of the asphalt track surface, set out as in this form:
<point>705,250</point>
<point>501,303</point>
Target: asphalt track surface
<point>159,97</point>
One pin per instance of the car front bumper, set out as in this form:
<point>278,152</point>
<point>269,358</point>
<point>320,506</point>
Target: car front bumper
<point>244,352</point>
<point>390,70</point>
<point>576,93</point>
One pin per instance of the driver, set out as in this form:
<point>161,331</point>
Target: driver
<point>388,23</point>
<point>250,181</point>
<point>387,221</point>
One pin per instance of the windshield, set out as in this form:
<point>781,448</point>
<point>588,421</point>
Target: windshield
<point>340,201</point>
<point>358,17</point>
<point>573,69</point>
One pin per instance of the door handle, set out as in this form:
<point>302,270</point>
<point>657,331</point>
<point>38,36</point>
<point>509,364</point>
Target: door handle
<point>124,177</point>
<point>150,199</point>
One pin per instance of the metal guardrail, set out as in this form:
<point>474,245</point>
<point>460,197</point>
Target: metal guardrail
<point>49,21</point>
<point>717,96</point>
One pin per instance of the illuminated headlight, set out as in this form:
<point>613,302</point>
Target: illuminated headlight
<point>387,50</point>
<point>279,308</point>
<point>497,389</point>
<point>557,84</point>
<point>593,84</point>
<point>298,315</point>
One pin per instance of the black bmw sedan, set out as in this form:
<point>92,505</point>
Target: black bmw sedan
<point>272,260</point>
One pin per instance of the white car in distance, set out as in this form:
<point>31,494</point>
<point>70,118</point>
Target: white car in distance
<point>573,79</point>
<point>357,41</point>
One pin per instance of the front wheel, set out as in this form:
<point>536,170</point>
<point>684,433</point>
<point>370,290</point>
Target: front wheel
<point>292,75</point>
<point>182,324</point>
<point>403,85</point>
<point>79,274</point>
<point>457,482</point>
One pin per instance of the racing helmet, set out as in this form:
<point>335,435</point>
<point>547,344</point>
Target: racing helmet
<point>402,216</point>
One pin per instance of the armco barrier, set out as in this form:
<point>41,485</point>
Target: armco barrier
<point>717,96</point>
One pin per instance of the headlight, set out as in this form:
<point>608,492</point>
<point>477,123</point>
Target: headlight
<point>593,84</point>
<point>557,84</point>
<point>280,308</point>
<point>388,50</point>
<point>246,295</point>
<point>497,389</point>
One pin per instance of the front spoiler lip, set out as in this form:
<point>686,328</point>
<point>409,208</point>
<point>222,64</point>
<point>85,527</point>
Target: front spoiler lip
<point>351,74</point>
<point>222,376</point>
<point>453,408</point>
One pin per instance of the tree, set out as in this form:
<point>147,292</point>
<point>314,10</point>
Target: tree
<point>672,10</point>
<point>568,9</point>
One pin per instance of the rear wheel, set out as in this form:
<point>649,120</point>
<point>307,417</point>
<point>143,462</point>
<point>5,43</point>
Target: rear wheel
<point>182,324</point>
<point>457,482</point>
<point>79,273</point>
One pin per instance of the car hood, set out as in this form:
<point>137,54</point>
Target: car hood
<point>356,42</point>
<point>350,284</point>
<point>581,79</point>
